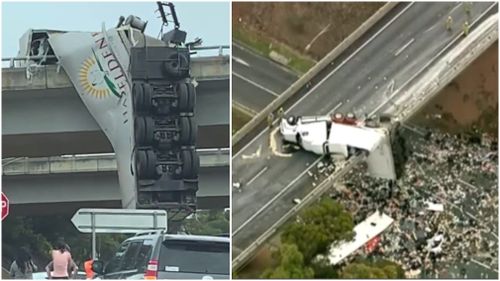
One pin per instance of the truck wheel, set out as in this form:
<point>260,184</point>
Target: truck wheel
<point>188,131</point>
<point>196,166</point>
<point>187,97</point>
<point>191,164</point>
<point>152,159</point>
<point>177,66</point>
<point>385,118</point>
<point>142,95</point>
<point>298,138</point>
<point>144,131</point>
<point>145,164</point>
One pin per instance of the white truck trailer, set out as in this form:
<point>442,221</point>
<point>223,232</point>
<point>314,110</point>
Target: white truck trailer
<point>343,136</point>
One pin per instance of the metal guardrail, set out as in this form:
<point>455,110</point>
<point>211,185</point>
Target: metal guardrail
<point>92,163</point>
<point>221,48</point>
<point>14,59</point>
<point>11,60</point>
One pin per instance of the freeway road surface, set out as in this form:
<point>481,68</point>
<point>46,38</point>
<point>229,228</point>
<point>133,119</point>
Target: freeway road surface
<point>388,59</point>
<point>257,80</point>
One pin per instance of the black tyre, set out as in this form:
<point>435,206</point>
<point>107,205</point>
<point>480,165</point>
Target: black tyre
<point>177,66</point>
<point>385,118</point>
<point>141,165</point>
<point>142,94</point>
<point>195,166</point>
<point>292,120</point>
<point>144,131</point>
<point>152,159</point>
<point>145,163</point>
<point>298,138</point>
<point>188,131</point>
<point>187,97</point>
<point>190,164</point>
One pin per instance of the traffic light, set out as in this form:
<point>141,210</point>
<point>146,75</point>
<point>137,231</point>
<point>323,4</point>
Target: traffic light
<point>165,129</point>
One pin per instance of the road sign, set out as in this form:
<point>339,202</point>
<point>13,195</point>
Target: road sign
<point>119,220</point>
<point>5,206</point>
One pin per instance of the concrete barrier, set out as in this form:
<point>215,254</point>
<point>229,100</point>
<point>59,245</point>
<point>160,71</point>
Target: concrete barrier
<point>48,76</point>
<point>302,81</point>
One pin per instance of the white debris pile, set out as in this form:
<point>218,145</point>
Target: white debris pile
<point>445,207</point>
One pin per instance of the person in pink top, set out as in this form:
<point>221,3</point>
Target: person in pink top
<point>61,262</point>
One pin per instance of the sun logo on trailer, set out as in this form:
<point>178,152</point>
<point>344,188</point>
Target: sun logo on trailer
<point>95,80</point>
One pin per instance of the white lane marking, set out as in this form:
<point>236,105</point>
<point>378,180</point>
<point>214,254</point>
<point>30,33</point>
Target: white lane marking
<point>430,61</point>
<point>404,47</point>
<point>337,106</point>
<point>257,175</point>
<point>330,74</point>
<point>255,84</point>
<point>275,197</point>
<point>240,61</point>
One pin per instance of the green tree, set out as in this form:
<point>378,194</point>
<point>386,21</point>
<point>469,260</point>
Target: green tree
<point>212,222</point>
<point>320,226</point>
<point>324,270</point>
<point>382,269</point>
<point>291,265</point>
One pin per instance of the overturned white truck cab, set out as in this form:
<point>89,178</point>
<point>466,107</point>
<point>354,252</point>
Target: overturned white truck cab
<point>140,92</point>
<point>339,135</point>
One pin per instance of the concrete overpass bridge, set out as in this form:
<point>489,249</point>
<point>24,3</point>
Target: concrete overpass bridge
<point>70,182</point>
<point>44,118</point>
<point>46,109</point>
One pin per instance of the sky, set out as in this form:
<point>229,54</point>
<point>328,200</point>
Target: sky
<point>207,20</point>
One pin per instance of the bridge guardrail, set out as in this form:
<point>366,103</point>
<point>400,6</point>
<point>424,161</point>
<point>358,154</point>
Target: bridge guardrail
<point>11,60</point>
<point>92,163</point>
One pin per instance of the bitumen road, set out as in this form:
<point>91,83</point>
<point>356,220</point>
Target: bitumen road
<point>257,80</point>
<point>388,59</point>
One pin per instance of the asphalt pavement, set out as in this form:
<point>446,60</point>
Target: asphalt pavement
<point>257,80</point>
<point>390,58</point>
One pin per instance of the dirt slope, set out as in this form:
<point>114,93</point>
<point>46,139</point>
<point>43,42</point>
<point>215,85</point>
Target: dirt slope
<point>470,99</point>
<point>297,23</point>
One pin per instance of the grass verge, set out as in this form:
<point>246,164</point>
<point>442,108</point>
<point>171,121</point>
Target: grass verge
<point>262,45</point>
